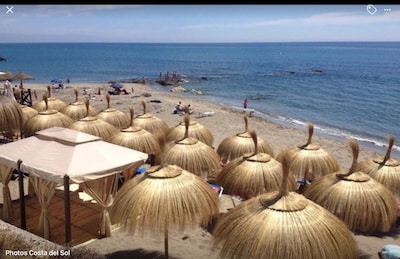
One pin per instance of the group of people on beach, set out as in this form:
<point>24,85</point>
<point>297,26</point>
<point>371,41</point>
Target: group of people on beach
<point>180,109</point>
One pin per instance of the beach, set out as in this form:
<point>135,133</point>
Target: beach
<point>223,121</point>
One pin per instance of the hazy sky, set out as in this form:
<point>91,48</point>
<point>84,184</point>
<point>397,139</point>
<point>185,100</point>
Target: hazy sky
<point>197,23</point>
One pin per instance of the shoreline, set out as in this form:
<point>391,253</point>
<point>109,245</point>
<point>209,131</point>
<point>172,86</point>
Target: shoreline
<point>262,123</point>
<point>367,145</point>
<point>374,145</point>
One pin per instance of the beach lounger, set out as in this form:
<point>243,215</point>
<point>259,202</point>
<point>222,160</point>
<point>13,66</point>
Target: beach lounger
<point>236,200</point>
<point>205,114</point>
<point>251,112</point>
<point>389,252</point>
<point>217,188</point>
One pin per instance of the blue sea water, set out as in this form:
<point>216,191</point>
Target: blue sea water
<point>346,89</point>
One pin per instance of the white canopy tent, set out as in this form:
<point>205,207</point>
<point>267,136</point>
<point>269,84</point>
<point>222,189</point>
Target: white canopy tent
<point>57,156</point>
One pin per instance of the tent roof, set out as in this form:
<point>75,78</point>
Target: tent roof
<point>55,152</point>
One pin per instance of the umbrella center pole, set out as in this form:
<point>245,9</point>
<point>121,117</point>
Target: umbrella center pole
<point>166,242</point>
<point>21,195</point>
<point>67,215</point>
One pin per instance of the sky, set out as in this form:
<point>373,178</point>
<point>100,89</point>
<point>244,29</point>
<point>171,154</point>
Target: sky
<point>198,23</point>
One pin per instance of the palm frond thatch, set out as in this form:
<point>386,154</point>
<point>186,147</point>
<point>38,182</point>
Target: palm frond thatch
<point>196,130</point>
<point>52,103</point>
<point>384,169</point>
<point>7,75</point>
<point>365,205</point>
<point>11,116</point>
<point>46,119</point>
<point>282,224</point>
<point>28,112</point>
<point>77,110</point>
<point>310,161</point>
<point>137,138</point>
<point>253,174</point>
<point>152,124</point>
<point>192,155</point>
<point>164,198</point>
<point>235,146</point>
<point>93,125</point>
<point>113,116</point>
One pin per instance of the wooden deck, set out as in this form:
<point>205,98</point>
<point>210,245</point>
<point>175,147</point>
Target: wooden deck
<point>85,218</point>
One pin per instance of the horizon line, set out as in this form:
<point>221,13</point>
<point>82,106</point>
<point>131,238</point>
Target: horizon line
<point>235,42</point>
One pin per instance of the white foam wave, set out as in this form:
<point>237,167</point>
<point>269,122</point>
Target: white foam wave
<point>374,142</point>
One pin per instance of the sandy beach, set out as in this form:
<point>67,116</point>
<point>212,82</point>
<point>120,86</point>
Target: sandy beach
<point>223,122</point>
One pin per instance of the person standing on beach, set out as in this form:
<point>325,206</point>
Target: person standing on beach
<point>8,91</point>
<point>245,104</point>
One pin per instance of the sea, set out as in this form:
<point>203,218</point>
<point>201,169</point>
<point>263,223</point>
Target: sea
<point>346,89</point>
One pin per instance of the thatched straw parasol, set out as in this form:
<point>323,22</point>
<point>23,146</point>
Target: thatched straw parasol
<point>364,204</point>
<point>152,124</point>
<point>46,119</point>
<point>282,224</point>
<point>192,155</point>
<point>23,76</point>
<point>164,199</point>
<point>310,161</point>
<point>7,75</point>
<point>77,110</point>
<point>93,125</point>
<point>385,170</point>
<point>11,116</point>
<point>196,130</point>
<point>137,138</point>
<point>253,174</point>
<point>113,116</point>
<point>52,103</point>
<point>235,146</point>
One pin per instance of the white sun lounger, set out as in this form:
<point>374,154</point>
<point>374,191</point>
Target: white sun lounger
<point>205,114</point>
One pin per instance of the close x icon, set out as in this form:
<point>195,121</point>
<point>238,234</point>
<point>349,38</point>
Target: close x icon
<point>9,9</point>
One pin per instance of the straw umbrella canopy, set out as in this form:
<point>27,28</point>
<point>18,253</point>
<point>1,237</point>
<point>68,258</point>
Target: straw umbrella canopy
<point>282,224</point>
<point>152,124</point>
<point>385,170</point>
<point>93,125</point>
<point>162,199</point>
<point>137,138</point>
<point>23,76</point>
<point>253,174</point>
<point>6,76</point>
<point>235,146</point>
<point>11,116</point>
<point>113,116</point>
<point>52,103</point>
<point>310,161</point>
<point>192,155</point>
<point>365,205</point>
<point>46,119</point>
<point>196,130</point>
<point>77,110</point>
